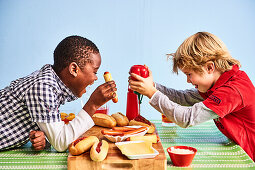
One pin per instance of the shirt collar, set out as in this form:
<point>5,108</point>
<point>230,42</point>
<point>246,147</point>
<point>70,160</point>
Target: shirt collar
<point>67,93</point>
<point>224,77</point>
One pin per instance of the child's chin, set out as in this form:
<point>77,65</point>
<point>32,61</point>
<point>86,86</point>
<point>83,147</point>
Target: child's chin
<point>202,90</point>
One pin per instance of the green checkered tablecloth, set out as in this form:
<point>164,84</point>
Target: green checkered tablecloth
<point>26,158</point>
<point>215,151</point>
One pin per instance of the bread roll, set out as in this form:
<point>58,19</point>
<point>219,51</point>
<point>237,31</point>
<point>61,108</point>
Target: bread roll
<point>104,120</point>
<point>121,119</point>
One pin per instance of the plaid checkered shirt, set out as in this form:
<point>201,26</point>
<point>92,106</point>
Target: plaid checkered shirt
<point>31,99</point>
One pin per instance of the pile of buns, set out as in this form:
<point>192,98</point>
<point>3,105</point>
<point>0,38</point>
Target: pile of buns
<point>118,119</point>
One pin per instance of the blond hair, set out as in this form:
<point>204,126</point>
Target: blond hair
<point>200,48</point>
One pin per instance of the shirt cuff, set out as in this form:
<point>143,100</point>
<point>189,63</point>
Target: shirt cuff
<point>155,97</point>
<point>86,117</point>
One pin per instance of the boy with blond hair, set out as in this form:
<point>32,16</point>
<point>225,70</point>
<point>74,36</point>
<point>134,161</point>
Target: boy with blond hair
<point>222,92</point>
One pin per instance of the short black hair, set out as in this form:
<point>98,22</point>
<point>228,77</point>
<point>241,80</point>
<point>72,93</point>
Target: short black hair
<point>73,49</point>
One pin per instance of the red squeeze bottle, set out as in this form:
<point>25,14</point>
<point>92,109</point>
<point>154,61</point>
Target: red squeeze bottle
<point>132,105</point>
<point>140,70</point>
<point>132,110</point>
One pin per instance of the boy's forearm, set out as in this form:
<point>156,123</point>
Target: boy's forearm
<point>90,108</point>
<point>182,115</point>
<point>183,97</point>
<point>61,135</point>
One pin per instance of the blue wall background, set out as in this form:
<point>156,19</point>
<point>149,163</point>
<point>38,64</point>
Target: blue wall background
<point>127,32</point>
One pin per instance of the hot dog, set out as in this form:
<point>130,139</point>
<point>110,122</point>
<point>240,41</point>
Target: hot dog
<point>82,145</point>
<point>99,151</point>
<point>121,119</point>
<point>123,129</point>
<point>108,77</point>
<point>139,120</point>
<point>104,120</point>
<point>138,130</point>
<point>112,132</point>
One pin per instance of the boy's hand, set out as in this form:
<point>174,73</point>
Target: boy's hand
<point>142,85</point>
<point>100,96</point>
<point>38,140</point>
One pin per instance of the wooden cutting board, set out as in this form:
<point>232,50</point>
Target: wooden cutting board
<point>115,159</point>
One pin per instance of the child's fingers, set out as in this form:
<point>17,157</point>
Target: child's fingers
<point>139,78</point>
<point>32,134</point>
<point>150,72</point>
<point>39,143</point>
<point>39,146</point>
<point>38,134</point>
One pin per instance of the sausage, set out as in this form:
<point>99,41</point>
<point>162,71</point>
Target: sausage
<point>112,132</point>
<point>108,77</point>
<point>123,129</point>
<point>138,130</point>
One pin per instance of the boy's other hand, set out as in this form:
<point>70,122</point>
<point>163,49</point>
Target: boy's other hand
<point>38,140</point>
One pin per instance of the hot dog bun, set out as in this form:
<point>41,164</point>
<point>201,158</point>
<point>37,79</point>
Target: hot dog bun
<point>104,120</point>
<point>108,77</point>
<point>99,151</point>
<point>121,119</point>
<point>139,120</point>
<point>82,144</point>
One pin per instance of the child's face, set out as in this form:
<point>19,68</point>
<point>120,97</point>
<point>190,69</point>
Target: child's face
<point>87,75</point>
<point>202,81</point>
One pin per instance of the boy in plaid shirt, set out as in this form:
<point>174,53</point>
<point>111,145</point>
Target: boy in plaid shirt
<point>29,105</point>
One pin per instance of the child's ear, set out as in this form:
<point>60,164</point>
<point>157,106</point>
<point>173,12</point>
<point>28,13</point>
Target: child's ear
<point>73,69</point>
<point>210,67</point>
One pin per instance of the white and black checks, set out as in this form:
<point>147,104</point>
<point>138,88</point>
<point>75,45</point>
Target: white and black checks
<point>34,98</point>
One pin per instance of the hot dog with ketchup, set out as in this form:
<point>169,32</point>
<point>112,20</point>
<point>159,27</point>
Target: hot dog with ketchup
<point>108,77</point>
<point>82,145</point>
<point>99,151</point>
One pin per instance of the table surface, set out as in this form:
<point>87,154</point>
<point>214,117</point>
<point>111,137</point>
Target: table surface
<point>215,151</point>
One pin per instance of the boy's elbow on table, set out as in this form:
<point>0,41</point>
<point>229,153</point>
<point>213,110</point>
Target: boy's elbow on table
<point>60,146</point>
<point>60,149</point>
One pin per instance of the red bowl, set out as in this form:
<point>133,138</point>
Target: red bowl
<point>181,159</point>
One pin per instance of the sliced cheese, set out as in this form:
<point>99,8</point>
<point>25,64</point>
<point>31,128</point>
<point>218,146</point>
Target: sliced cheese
<point>150,138</point>
<point>139,148</point>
